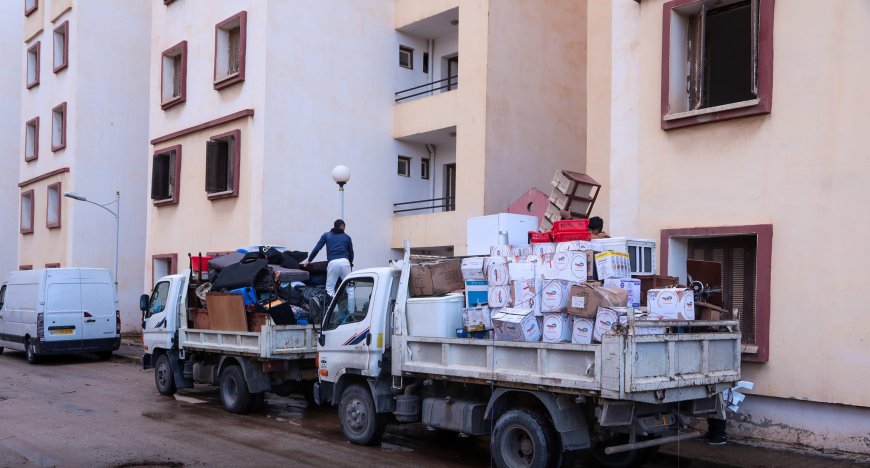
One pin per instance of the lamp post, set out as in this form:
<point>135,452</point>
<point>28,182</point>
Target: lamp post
<point>116,214</point>
<point>341,174</point>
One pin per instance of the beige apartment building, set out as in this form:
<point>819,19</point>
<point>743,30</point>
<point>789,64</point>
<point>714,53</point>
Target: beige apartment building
<point>82,114</point>
<point>735,132</point>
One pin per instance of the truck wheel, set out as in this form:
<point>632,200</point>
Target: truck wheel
<point>234,390</point>
<point>1,350</point>
<point>360,422</point>
<point>524,438</point>
<point>30,351</point>
<point>258,402</point>
<point>163,378</point>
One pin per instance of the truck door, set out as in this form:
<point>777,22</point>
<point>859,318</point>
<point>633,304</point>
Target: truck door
<point>347,328</point>
<point>98,306</point>
<point>156,333</point>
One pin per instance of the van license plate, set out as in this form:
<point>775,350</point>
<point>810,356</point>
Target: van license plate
<point>67,331</point>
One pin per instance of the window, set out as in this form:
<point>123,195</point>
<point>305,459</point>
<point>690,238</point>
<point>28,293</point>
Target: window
<point>33,65</point>
<point>163,265</point>
<point>230,38</point>
<point>222,165</point>
<point>58,127</point>
<point>61,46</point>
<point>165,175</point>
<point>425,62</point>
<point>404,166</point>
<point>173,75</point>
<point>27,212</point>
<point>424,168</point>
<point>52,265</point>
<point>31,139</point>
<point>30,6</point>
<point>406,57</point>
<point>351,303</point>
<point>25,267</point>
<point>157,302</point>
<point>52,214</point>
<point>717,60</point>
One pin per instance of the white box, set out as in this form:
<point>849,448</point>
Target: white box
<point>499,296</point>
<point>582,330</point>
<point>482,232</point>
<point>671,304</point>
<point>573,245</point>
<point>497,273</point>
<point>623,319</point>
<point>557,328</point>
<point>631,285</point>
<point>526,294</point>
<point>604,321</point>
<point>612,264</point>
<point>500,251</point>
<point>555,295</point>
<point>477,319</point>
<point>516,325</point>
<point>568,266</point>
<point>642,252</point>
<point>474,268</point>
<point>476,293</point>
<point>520,251</point>
<point>521,271</point>
<point>536,261</point>
<point>435,316</point>
<point>543,248</point>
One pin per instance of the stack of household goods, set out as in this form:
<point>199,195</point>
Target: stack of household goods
<point>573,193</point>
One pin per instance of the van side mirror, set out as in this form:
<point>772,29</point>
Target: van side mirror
<point>143,302</point>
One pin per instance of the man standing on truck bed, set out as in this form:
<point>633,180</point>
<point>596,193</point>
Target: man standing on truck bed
<point>339,253</point>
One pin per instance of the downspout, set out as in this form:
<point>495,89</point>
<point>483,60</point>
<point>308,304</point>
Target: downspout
<point>430,43</point>
<point>431,150</point>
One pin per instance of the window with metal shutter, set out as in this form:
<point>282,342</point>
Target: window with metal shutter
<point>160,175</point>
<point>217,164</point>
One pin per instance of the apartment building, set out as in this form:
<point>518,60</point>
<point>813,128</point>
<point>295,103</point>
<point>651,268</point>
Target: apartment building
<point>10,132</point>
<point>734,132</point>
<point>83,113</point>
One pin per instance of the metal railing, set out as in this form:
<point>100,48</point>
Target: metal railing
<point>448,204</point>
<point>449,83</point>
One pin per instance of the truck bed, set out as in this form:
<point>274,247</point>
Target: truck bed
<point>285,342</point>
<point>629,366</point>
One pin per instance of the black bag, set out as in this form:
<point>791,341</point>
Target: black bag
<point>242,275</point>
<point>282,314</point>
<point>289,261</point>
<point>251,256</point>
<point>290,294</point>
<point>273,256</point>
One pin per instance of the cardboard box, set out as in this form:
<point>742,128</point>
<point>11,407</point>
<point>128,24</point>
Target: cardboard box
<point>526,294</point>
<point>604,320</point>
<point>648,282</point>
<point>623,320</point>
<point>516,325</point>
<point>535,260</point>
<point>499,296</point>
<point>671,304</point>
<point>474,268</point>
<point>519,271</point>
<point>256,321</point>
<point>573,245</point>
<point>707,311</point>
<point>500,251</point>
<point>226,312</point>
<point>497,273</point>
<point>476,293</point>
<point>557,328</point>
<point>582,330</point>
<point>520,250</point>
<point>568,266</point>
<point>630,285</point>
<point>543,248</point>
<point>555,295</point>
<point>613,265</point>
<point>477,319</point>
<point>587,298</point>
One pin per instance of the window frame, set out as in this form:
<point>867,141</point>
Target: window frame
<point>425,168</point>
<point>27,194</point>
<point>35,123</point>
<point>29,11</point>
<point>235,164</point>
<point>763,261</point>
<point>65,63</point>
<point>228,80</point>
<point>175,191</point>
<point>36,48</point>
<point>759,106</point>
<point>407,160</point>
<point>61,107</point>
<point>25,267</point>
<point>410,52</point>
<point>59,199</point>
<point>52,265</point>
<point>179,49</point>
<point>149,312</point>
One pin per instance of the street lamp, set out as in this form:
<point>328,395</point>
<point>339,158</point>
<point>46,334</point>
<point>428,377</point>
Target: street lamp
<point>116,214</point>
<point>341,174</point>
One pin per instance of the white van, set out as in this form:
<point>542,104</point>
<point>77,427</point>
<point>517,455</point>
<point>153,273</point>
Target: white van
<point>59,311</point>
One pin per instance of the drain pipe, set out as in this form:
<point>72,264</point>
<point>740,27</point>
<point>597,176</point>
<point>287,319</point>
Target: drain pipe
<point>431,150</point>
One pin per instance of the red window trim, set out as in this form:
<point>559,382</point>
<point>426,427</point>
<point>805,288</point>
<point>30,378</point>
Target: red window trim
<point>59,206</point>
<point>25,267</point>
<point>65,27</point>
<point>62,145</point>
<point>167,2</point>
<point>28,12</point>
<point>182,48</point>
<point>765,69</point>
<point>35,122</point>
<point>764,249</point>
<point>176,190</point>
<point>52,265</point>
<point>27,193</point>
<point>239,77</point>
<point>237,154</point>
<point>173,264</point>
<point>38,48</point>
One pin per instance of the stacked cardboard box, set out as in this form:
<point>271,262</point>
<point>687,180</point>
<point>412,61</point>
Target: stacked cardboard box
<point>573,193</point>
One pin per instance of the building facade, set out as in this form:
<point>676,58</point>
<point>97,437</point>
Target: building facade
<point>83,114</point>
<point>733,133</point>
<point>10,133</point>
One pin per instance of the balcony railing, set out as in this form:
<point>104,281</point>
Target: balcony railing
<point>449,83</point>
<point>444,203</point>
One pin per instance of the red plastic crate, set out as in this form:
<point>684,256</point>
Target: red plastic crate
<point>570,225</point>
<point>198,263</point>
<point>571,236</point>
<point>539,237</point>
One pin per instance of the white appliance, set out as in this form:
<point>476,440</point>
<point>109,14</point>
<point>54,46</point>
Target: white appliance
<point>483,231</point>
<point>437,316</point>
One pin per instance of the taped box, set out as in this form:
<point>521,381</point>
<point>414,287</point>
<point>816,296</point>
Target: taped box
<point>612,264</point>
<point>526,294</point>
<point>568,266</point>
<point>587,298</point>
<point>604,321</point>
<point>500,251</point>
<point>573,245</point>
<point>476,319</point>
<point>582,330</point>
<point>671,304</point>
<point>499,296</point>
<point>520,250</point>
<point>543,248</point>
<point>557,328</point>
<point>497,273</point>
<point>521,271</point>
<point>436,279</point>
<point>555,295</point>
<point>474,268</point>
<point>516,325</point>
<point>629,285</point>
<point>476,293</point>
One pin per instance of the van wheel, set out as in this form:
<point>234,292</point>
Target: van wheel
<point>360,422</point>
<point>524,438</point>
<point>30,350</point>
<point>104,355</point>
<point>234,390</point>
<point>163,378</point>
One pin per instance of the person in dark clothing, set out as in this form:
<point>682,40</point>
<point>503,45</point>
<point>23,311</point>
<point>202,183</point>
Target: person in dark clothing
<point>339,254</point>
<point>715,432</point>
<point>596,228</point>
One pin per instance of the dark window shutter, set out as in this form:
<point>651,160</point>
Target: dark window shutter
<point>211,163</point>
<point>160,177</point>
<point>223,165</point>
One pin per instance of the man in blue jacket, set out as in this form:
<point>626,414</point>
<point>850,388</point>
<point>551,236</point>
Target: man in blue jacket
<point>339,253</point>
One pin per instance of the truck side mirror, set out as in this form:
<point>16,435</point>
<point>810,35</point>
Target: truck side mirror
<point>143,302</point>
<point>321,340</point>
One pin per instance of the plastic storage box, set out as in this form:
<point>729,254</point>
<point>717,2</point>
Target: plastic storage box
<point>435,316</point>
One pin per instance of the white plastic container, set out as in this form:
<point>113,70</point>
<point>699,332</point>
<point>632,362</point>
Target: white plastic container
<point>641,251</point>
<point>484,231</point>
<point>435,316</point>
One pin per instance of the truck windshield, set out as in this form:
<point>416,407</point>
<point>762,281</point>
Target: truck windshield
<point>351,304</point>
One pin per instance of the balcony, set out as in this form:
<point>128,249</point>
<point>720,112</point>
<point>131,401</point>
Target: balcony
<point>427,170</point>
<point>428,89</point>
<point>428,56</point>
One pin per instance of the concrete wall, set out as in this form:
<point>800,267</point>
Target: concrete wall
<point>11,131</point>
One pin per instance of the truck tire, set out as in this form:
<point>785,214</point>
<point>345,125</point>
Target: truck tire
<point>258,402</point>
<point>524,438</point>
<point>30,352</point>
<point>234,390</point>
<point>164,380</point>
<point>360,422</point>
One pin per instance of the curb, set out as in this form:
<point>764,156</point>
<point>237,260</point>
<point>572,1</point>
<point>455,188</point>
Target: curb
<point>125,357</point>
